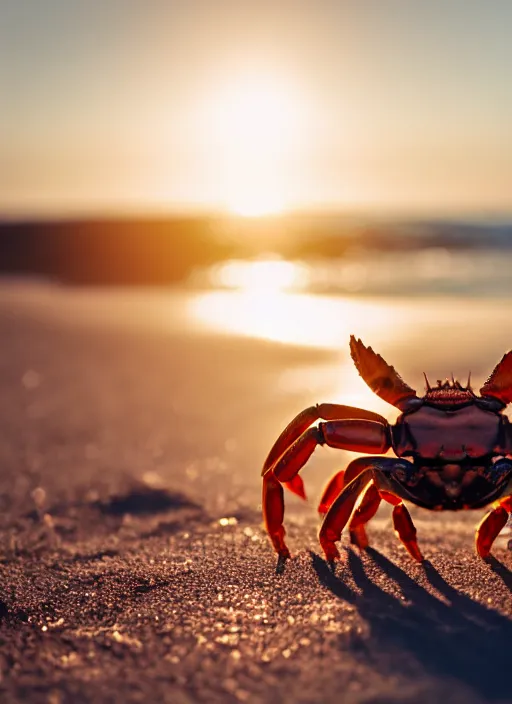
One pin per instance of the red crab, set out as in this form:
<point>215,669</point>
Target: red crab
<point>453,451</point>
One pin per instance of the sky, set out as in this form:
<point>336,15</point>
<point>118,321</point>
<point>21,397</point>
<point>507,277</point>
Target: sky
<point>255,106</point>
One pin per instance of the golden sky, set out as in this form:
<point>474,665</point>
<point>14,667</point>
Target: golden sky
<point>255,106</point>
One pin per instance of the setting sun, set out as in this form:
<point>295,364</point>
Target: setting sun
<point>257,123</point>
<point>255,205</point>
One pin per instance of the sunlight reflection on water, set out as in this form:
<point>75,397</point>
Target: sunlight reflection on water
<point>321,322</point>
<point>324,322</point>
<point>435,335</point>
<point>311,321</point>
<point>278,300</point>
<point>430,271</point>
<point>261,275</point>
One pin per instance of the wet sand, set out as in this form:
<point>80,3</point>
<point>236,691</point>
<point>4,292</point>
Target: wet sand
<point>133,563</point>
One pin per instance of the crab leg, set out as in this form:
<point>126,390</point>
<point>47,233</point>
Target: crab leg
<point>324,411</point>
<point>339,514</point>
<point>338,481</point>
<point>332,490</point>
<point>341,510</point>
<point>491,525</point>
<point>273,503</point>
<point>365,511</point>
<point>367,506</point>
<point>405,530</point>
<point>353,434</point>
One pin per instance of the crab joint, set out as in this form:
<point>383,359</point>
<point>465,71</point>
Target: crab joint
<point>298,454</point>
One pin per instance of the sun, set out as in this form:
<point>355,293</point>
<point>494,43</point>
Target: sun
<point>257,124</point>
<point>255,204</point>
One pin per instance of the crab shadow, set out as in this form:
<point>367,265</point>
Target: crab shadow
<point>453,637</point>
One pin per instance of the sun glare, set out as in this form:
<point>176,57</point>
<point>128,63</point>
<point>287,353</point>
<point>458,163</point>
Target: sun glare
<point>262,275</point>
<point>257,125</point>
<point>255,206</point>
<point>322,322</point>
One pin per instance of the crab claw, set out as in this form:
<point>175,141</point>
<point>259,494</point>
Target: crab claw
<point>381,377</point>
<point>499,383</point>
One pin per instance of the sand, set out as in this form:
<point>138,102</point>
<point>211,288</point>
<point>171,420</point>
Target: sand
<point>133,564</point>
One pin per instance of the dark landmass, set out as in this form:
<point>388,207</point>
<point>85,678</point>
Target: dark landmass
<point>142,251</point>
<point>133,564</point>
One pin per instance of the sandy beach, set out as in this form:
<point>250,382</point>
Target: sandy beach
<point>133,563</point>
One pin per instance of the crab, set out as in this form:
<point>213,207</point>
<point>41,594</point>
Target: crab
<point>453,451</point>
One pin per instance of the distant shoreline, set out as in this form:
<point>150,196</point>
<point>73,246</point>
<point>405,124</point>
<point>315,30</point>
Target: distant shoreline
<point>159,251</point>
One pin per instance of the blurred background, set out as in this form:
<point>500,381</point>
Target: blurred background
<point>291,171</point>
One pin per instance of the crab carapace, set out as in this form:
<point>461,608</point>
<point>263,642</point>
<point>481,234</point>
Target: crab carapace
<point>453,451</point>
